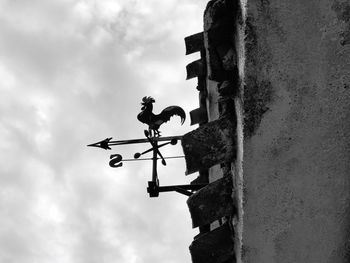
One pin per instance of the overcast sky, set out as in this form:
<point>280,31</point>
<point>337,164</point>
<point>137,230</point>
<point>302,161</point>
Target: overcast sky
<point>73,73</point>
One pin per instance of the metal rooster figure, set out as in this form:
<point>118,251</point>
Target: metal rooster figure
<point>154,121</point>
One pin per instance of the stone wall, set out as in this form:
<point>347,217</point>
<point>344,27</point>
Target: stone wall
<point>296,147</point>
<point>274,76</point>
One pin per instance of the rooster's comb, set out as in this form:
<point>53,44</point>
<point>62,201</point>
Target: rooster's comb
<point>147,100</point>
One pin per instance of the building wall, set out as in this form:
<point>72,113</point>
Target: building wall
<point>296,148</point>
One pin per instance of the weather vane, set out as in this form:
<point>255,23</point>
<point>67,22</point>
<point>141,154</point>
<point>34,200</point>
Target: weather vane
<point>154,121</point>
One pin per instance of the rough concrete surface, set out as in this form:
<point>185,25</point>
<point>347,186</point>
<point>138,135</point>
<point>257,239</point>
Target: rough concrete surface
<point>296,150</point>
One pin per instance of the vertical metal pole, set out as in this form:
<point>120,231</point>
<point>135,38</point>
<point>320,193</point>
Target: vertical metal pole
<point>154,170</point>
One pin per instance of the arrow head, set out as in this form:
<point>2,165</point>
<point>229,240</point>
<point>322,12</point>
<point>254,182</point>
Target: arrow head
<point>102,144</point>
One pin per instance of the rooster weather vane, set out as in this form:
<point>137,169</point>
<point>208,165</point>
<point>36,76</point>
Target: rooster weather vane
<point>154,121</point>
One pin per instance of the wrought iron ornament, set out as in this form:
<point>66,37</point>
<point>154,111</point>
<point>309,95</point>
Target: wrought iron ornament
<point>154,121</point>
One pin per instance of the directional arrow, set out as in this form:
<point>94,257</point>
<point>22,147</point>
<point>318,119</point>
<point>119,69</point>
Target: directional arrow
<point>107,143</point>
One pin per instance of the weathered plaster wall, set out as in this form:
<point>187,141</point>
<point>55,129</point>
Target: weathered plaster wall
<point>296,149</point>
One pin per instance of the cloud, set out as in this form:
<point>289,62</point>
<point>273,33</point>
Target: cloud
<point>73,73</point>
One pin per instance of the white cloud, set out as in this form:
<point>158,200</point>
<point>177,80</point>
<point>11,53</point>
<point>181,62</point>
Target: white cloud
<point>7,79</point>
<point>72,73</point>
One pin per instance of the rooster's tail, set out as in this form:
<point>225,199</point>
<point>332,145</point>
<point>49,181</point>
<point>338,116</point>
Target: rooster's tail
<point>170,111</point>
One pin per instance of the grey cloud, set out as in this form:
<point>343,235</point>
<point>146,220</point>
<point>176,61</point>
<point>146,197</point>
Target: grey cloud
<point>78,82</point>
